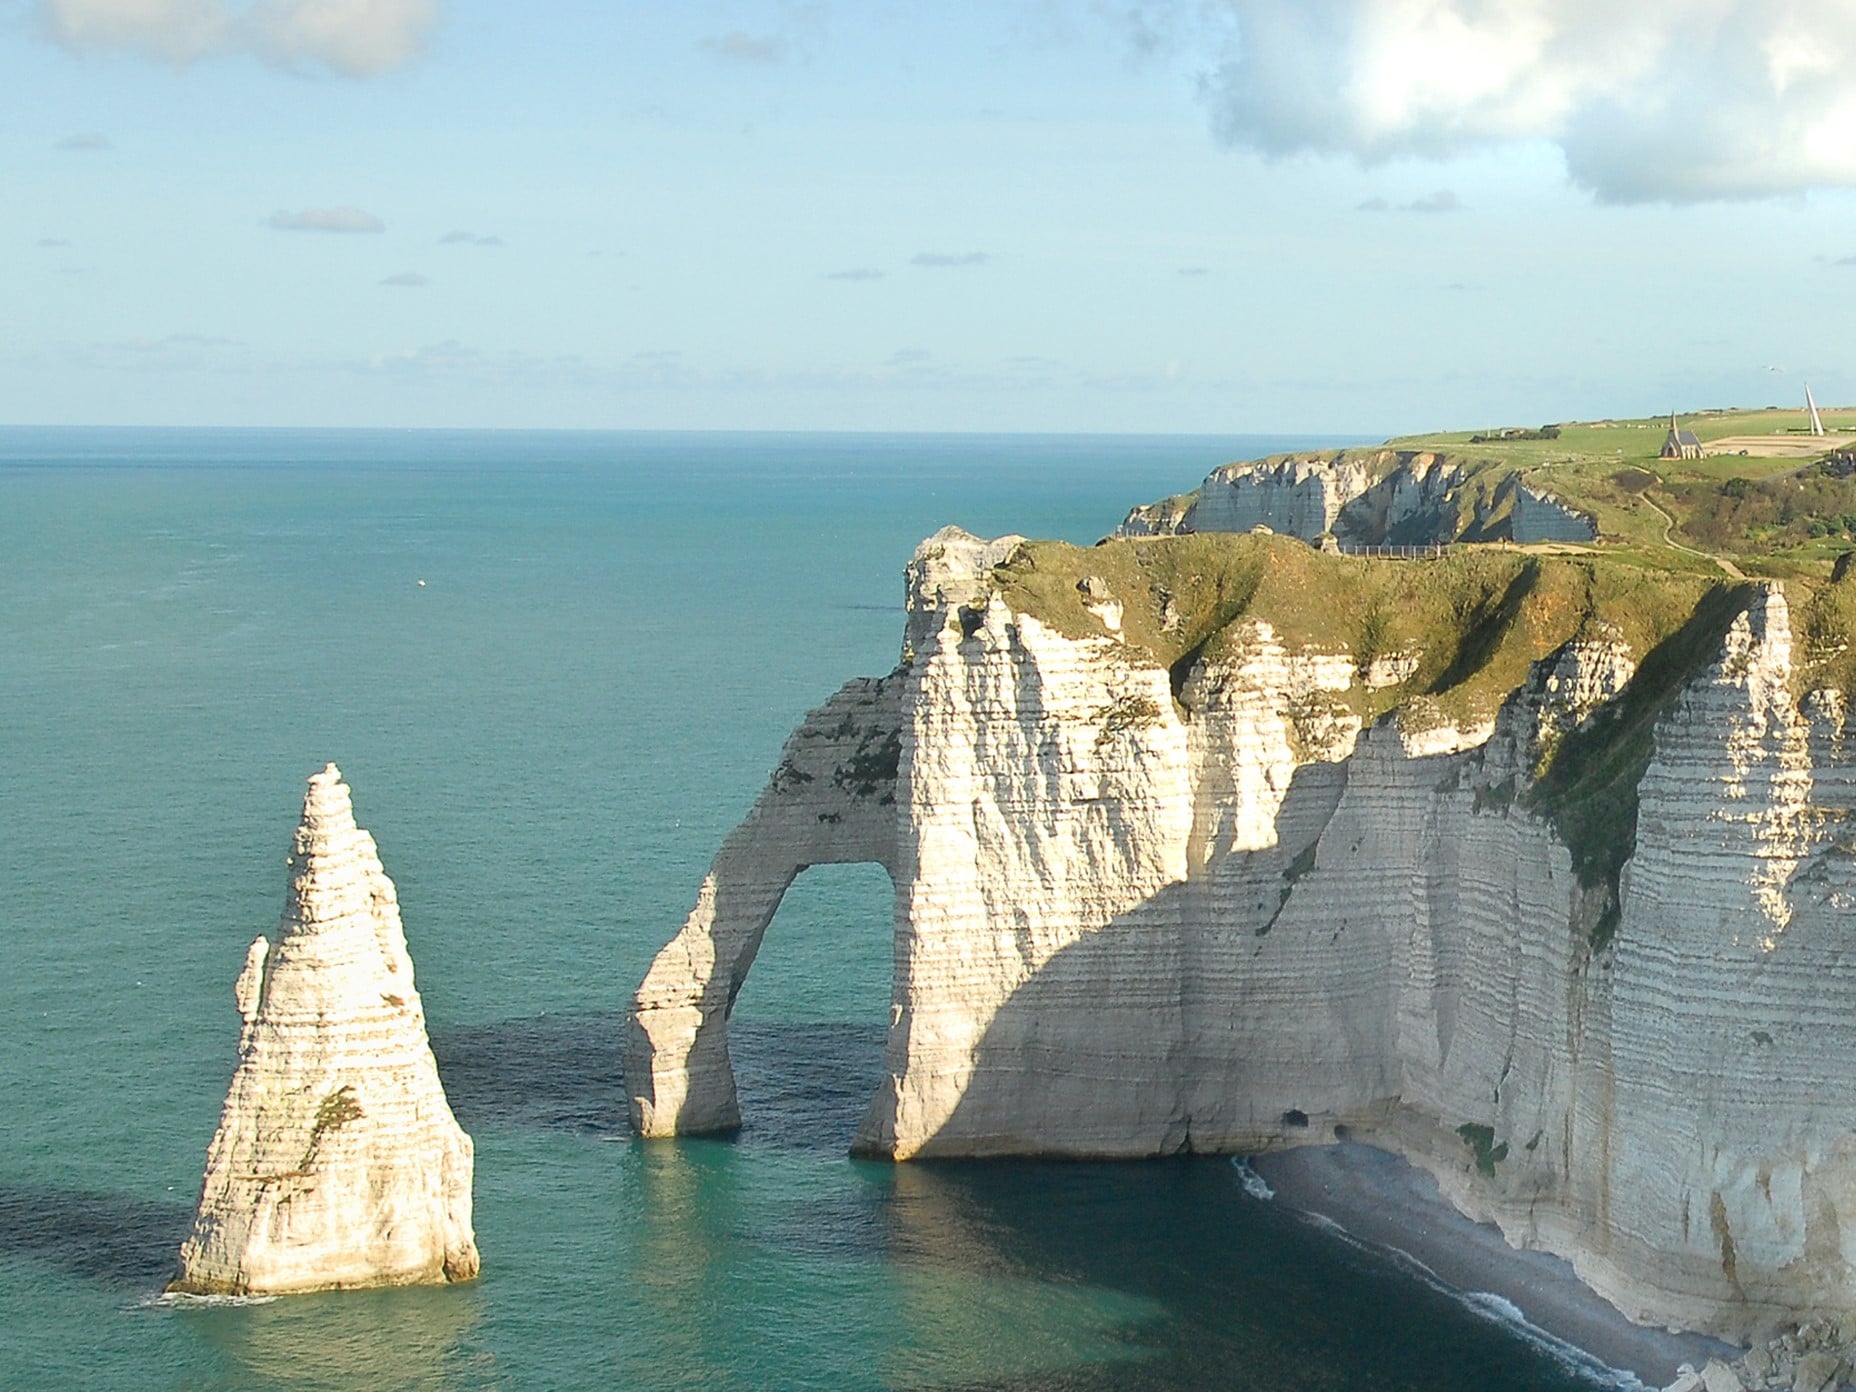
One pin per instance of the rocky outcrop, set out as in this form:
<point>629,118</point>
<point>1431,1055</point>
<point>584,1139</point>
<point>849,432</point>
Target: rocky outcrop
<point>337,1162</point>
<point>1217,844</point>
<point>1817,1356</point>
<point>1539,516</point>
<point>1366,498</point>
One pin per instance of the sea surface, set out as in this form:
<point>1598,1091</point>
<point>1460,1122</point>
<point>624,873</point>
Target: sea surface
<point>556,668</point>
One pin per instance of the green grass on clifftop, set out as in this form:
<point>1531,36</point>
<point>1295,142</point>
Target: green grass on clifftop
<point>1588,788</point>
<point>1779,516</point>
<point>1473,619</point>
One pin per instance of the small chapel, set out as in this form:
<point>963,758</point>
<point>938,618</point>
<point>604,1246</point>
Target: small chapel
<point>1680,443</point>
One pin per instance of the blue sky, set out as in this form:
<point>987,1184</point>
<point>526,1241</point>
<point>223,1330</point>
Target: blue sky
<point>1359,216</point>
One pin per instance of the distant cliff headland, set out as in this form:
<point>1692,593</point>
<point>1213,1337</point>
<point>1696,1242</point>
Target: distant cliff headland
<point>1753,484</point>
<point>1532,858</point>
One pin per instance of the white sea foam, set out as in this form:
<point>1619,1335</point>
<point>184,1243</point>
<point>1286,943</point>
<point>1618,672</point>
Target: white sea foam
<point>1416,1267</point>
<point>1254,1183</point>
<point>1334,1229</point>
<point>1494,1308</point>
<point>1574,1359</point>
<point>181,1300</point>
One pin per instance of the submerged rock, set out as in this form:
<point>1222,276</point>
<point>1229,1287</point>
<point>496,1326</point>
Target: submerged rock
<point>337,1162</point>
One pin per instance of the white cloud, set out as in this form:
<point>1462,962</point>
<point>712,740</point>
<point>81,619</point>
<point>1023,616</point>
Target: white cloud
<point>169,352</point>
<point>1442,201</point>
<point>747,48</point>
<point>325,220</point>
<point>356,38</point>
<point>408,280</point>
<point>85,140</point>
<point>855,273</point>
<point>946,259</point>
<point>1664,100</point>
<point>446,356</point>
<point>798,29</point>
<point>469,239</point>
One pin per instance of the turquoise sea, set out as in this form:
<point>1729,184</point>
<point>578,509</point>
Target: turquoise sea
<point>548,738</point>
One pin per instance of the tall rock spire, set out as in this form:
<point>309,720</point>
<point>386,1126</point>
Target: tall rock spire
<point>337,1161</point>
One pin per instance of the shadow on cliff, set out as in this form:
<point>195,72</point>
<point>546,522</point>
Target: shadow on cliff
<point>111,1239</point>
<point>1055,1053</point>
<point>1105,1026</point>
<point>803,1086</point>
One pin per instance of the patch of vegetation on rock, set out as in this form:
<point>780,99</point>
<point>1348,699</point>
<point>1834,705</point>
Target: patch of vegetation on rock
<point>873,767</point>
<point>1128,713</point>
<point>1588,785</point>
<point>1481,1141</point>
<point>335,1111</point>
<point>1476,617</point>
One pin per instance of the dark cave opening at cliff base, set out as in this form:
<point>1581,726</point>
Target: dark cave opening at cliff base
<point>807,1030</point>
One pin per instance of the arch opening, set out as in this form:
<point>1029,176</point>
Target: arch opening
<point>831,801</point>
<point>808,1025</point>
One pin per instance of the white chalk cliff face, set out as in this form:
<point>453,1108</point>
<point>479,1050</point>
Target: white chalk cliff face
<point>337,1162</point>
<point>1142,911</point>
<point>1364,498</point>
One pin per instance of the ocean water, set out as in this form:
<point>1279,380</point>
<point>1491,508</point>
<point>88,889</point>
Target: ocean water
<point>548,738</point>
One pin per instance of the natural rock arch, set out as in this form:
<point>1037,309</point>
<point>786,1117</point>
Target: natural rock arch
<point>831,801</point>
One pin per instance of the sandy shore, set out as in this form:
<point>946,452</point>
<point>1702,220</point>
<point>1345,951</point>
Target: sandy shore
<point>1387,1203</point>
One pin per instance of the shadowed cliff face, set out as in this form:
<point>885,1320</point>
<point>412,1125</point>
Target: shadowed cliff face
<point>1314,883</point>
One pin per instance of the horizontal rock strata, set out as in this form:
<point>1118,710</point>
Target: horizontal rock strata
<point>337,1161</point>
<point>1551,896</point>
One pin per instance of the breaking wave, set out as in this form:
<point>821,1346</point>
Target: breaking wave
<point>1254,1184</point>
<point>1494,1308</point>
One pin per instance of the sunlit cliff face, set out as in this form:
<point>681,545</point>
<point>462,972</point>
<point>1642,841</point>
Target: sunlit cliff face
<point>1552,903</point>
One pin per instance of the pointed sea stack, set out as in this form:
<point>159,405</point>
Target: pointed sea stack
<point>337,1162</point>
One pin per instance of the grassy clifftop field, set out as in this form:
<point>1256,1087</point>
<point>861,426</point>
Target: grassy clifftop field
<point>1767,498</point>
<point>1763,497</point>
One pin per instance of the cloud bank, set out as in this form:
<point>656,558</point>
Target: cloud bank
<point>747,48</point>
<point>356,38</point>
<point>942,260</point>
<point>1443,201</point>
<point>1673,101</point>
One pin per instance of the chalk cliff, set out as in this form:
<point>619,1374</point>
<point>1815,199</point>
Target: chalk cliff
<point>1367,498</point>
<point>337,1161</point>
<point>1538,870</point>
